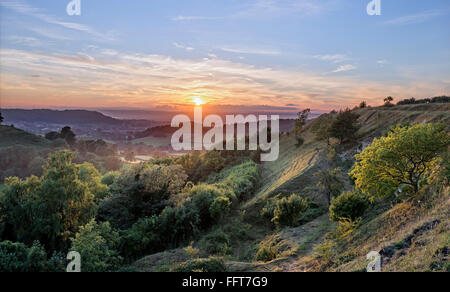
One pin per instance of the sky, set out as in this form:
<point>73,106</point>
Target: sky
<point>256,54</point>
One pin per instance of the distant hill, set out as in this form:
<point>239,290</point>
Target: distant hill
<point>57,117</point>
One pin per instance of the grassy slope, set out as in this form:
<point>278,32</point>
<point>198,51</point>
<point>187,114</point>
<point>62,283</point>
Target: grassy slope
<point>10,136</point>
<point>381,228</point>
<point>293,173</point>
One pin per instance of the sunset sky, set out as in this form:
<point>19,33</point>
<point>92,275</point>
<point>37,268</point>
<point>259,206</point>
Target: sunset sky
<point>274,55</point>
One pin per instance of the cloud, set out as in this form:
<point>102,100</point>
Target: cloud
<point>26,9</point>
<point>337,58</point>
<point>249,51</point>
<point>177,45</point>
<point>145,80</point>
<point>344,68</point>
<point>382,62</point>
<point>414,18</point>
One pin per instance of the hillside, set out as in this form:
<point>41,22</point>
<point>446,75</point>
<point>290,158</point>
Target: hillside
<point>410,235</point>
<point>11,136</point>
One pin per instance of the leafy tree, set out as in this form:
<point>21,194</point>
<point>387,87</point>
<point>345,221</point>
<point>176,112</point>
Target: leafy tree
<point>68,135</point>
<point>150,186</point>
<point>350,205</point>
<point>388,101</point>
<point>331,182</point>
<point>403,157</point>
<point>288,210</point>
<point>322,127</point>
<point>49,209</point>
<point>97,245</point>
<point>1,118</point>
<point>345,126</point>
<point>301,120</point>
<point>17,257</point>
<point>363,104</point>
<point>89,175</point>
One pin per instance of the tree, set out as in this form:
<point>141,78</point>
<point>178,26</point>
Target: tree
<point>403,157</point>
<point>68,135</point>
<point>300,122</point>
<point>97,245</point>
<point>150,186</point>
<point>345,126</point>
<point>363,104</point>
<point>49,209</point>
<point>388,101</point>
<point>331,182</point>
<point>322,127</point>
<point>1,118</point>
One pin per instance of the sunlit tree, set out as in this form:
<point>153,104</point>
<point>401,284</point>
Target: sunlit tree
<point>403,157</point>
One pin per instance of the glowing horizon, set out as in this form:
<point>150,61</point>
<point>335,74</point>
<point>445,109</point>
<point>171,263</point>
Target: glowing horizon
<point>324,60</point>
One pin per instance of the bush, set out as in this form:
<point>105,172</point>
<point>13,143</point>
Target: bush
<point>209,265</point>
<point>110,178</point>
<point>217,243</point>
<point>97,245</point>
<point>288,210</point>
<point>220,207</point>
<point>16,257</point>
<point>266,253</point>
<point>350,205</point>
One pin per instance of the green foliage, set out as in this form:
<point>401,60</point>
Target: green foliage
<point>288,210</point>
<point>345,126</point>
<point>321,127</point>
<point>97,245</point>
<point>110,178</point>
<point>267,251</point>
<point>216,243</point>
<point>89,175</point>
<point>49,209</point>
<point>300,122</point>
<point>403,157</point>
<point>349,205</point>
<point>220,207</point>
<point>17,257</point>
<point>209,265</point>
<point>331,182</point>
<point>150,186</point>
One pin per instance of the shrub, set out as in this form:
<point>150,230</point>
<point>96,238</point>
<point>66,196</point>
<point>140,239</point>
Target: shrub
<point>110,177</point>
<point>217,242</point>
<point>288,210</point>
<point>97,245</point>
<point>220,207</point>
<point>266,253</point>
<point>16,257</point>
<point>350,205</point>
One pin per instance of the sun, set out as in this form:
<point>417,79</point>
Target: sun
<point>198,101</point>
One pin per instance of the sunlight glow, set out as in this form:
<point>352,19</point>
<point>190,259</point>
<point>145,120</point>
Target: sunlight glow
<point>198,101</point>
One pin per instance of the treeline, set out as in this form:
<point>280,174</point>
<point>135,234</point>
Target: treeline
<point>114,219</point>
<point>437,99</point>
